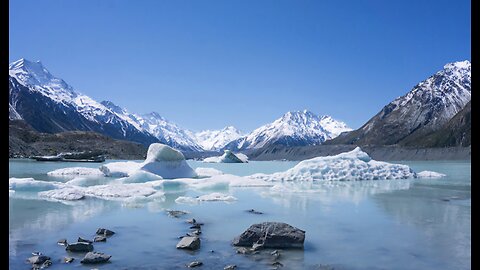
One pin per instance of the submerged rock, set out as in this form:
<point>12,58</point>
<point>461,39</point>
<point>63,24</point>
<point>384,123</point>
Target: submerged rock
<point>79,247</point>
<point>176,213</point>
<point>100,238</point>
<point>253,211</point>
<point>95,257</point>
<point>38,259</point>
<point>189,242</point>
<point>271,235</point>
<point>194,264</point>
<point>105,232</point>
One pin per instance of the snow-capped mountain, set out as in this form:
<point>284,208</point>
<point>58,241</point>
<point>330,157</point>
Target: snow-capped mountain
<point>292,129</point>
<point>426,108</point>
<point>217,139</point>
<point>50,105</point>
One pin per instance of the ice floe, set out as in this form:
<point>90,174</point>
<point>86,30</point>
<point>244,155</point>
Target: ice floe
<point>207,172</point>
<point>430,174</point>
<point>120,169</point>
<point>215,196</point>
<point>30,184</point>
<point>353,165</point>
<point>74,171</point>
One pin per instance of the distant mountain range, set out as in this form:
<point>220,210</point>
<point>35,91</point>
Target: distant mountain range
<point>434,105</point>
<point>292,129</point>
<point>50,105</point>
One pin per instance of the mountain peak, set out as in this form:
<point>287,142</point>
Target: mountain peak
<point>458,65</point>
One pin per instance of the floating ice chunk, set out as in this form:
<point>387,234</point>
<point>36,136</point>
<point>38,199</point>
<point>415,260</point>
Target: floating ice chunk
<point>73,171</point>
<point>353,165</point>
<point>118,191</point>
<point>167,162</point>
<point>30,184</point>
<point>228,157</point>
<point>120,169</point>
<point>430,174</point>
<point>87,181</point>
<point>204,198</point>
<point>207,172</point>
<point>67,194</point>
<point>139,177</point>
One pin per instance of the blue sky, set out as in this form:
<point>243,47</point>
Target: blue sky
<point>207,64</point>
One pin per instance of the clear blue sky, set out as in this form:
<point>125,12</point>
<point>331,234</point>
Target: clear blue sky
<point>207,64</point>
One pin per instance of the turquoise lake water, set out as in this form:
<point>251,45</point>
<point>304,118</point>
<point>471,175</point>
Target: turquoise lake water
<point>382,224</point>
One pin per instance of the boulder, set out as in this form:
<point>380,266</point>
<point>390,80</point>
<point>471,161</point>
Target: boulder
<point>79,247</point>
<point>189,242</point>
<point>105,232</point>
<point>100,238</point>
<point>95,257</point>
<point>271,235</point>
<point>68,259</point>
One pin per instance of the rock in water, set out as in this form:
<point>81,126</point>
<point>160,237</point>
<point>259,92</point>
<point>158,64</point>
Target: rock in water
<point>38,259</point>
<point>230,267</point>
<point>95,257</point>
<point>271,235</point>
<point>79,247</point>
<point>68,259</point>
<point>105,232</point>
<point>189,242</point>
<point>62,242</point>
<point>100,238</point>
<point>176,213</point>
<point>84,240</point>
<point>167,162</point>
<point>194,264</point>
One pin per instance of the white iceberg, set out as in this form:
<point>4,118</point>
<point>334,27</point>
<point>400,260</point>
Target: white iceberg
<point>430,174</point>
<point>74,171</point>
<point>353,165</point>
<point>120,169</point>
<point>162,160</point>
<point>30,184</point>
<point>228,157</point>
<point>205,198</point>
<point>167,162</point>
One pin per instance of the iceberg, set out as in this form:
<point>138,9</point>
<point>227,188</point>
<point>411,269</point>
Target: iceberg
<point>353,165</point>
<point>162,160</point>
<point>120,169</point>
<point>167,162</point>
<point>228,157</point>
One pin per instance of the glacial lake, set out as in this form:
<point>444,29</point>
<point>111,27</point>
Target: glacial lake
<point>382,224</point>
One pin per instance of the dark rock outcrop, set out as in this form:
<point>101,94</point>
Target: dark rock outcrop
<point>271,235</point>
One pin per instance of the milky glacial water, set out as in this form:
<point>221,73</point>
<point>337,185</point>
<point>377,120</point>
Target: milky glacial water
<point>382,224</point>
